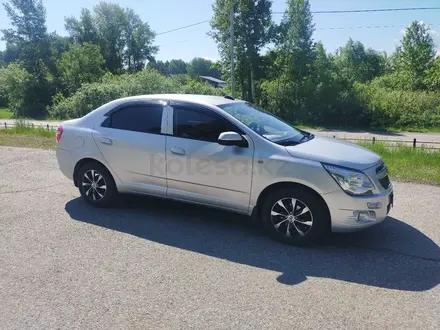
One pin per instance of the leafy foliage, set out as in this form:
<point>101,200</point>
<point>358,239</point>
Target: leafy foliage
<point>80,65</point>
<point>202,67</point>
<point>19,86</point>
<point>354,87</point>
<point>177,67</point>
<point>124,39</point>
<point>249,15</point>
<point>416,54</point>
<point>30,41</point>
<point>148,81</point>
<point>399,108</point>
<point>196,67</point>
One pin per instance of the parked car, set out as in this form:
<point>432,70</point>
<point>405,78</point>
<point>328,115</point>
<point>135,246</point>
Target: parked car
<point>225,153</point>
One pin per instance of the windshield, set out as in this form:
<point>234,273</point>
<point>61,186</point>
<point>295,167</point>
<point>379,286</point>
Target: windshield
<point>266,124</point>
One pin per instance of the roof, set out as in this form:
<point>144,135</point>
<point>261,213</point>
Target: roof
<point>213,79</point>
<point>202,99</point>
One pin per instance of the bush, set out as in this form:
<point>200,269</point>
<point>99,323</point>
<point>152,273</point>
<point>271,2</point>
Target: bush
<point>79,65</point>
<point>398,108</point>
<point>321,103</point>
<point>148,81</point>
<point>26,96</point>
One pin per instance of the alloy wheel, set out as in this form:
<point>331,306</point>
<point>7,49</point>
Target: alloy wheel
<point>94,185</point>
<point>291,217</point>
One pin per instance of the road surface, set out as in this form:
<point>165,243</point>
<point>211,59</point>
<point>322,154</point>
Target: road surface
<point>154,264</point>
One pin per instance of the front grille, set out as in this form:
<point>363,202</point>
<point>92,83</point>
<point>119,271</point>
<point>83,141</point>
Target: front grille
<point>382,175</point>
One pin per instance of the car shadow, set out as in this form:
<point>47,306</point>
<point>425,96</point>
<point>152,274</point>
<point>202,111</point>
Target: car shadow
<point>391,255</point>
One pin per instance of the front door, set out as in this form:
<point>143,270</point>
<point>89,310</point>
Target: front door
<point>201,170</point>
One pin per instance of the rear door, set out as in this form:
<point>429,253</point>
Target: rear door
<point>132,140</point>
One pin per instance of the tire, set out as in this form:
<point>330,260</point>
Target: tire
<point>305,225</point>
<point>96,185</point>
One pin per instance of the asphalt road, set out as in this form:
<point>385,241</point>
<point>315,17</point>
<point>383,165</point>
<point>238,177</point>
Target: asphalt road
<point>353,134</point>
<point>153,264</point>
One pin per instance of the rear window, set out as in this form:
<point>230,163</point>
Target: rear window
<point>144,119</point>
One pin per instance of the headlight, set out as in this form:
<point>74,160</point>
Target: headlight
<point>351,181</point>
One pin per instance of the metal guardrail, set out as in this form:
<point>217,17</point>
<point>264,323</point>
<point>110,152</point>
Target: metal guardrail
<point>31,125</point>
<point>428,145</point>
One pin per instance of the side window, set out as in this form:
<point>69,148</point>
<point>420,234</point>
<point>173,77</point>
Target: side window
<point>192,124</point>
<point>144,119</point>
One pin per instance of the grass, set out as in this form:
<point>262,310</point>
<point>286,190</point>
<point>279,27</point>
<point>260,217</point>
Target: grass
<point>378,129</point>
<point>23,135</point>
<point>23,128</point>
<point>5,113</point>
<point>29,141</point>
<point>408,164</point>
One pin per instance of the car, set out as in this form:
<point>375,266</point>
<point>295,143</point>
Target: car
<point>225,153</point>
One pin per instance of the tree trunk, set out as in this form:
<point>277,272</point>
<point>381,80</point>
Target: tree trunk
<point>249,83</point>
<point>243,89</point>
<point>252,82</point>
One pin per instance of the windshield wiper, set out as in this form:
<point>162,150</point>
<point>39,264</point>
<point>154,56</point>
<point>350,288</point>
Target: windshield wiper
<point>307,135</point>
<point>288,143</point>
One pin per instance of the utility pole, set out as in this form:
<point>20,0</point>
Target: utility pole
<point>232,50</point>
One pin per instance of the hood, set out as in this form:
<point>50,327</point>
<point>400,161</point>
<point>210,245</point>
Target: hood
<point>336,152</point>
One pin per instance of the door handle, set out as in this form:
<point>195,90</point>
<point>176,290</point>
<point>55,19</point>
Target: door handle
<point>177,151</point>
<point>107,141</point>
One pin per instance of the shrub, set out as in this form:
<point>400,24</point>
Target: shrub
<point>398,108</point>
<point>26,96</point>
<point>323,103</point>
<point>148,81</point>
<point>79,65</point>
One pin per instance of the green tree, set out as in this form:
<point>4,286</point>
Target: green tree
<point>83,29</point>
<point>79,65</point>
<point>432,79</point>
<point>10,54</point>
<point>297,55</point>
<point>253,30</point>
<point>298,47</point>
<point>162,67</point>
<point>416,54</point>
<point>19,86</point>
<point>139,42</point>
<point>178,67</point>
<point>355,64</point>
<point>199,66</point>
<point>2,62</point>
<point>29,33</point>
<point>110,19</point>
<point>29,37</point>
<point>126,42</point>
<point>58,44</point>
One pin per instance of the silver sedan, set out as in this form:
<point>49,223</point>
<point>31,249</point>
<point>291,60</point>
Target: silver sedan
<point>225,153</point>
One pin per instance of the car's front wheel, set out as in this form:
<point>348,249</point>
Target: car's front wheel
<point>294,216</point>
<point>96,185</point>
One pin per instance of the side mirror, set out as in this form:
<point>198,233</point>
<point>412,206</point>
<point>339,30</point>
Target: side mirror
<point>232,139</point>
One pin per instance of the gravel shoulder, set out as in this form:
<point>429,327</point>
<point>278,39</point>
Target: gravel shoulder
<point>155,264</point>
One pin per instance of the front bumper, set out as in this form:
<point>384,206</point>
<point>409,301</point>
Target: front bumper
<point>352,213</point>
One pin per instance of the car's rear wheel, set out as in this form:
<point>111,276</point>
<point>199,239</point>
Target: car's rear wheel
<point>294,216</point>
<point>96,185</point>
